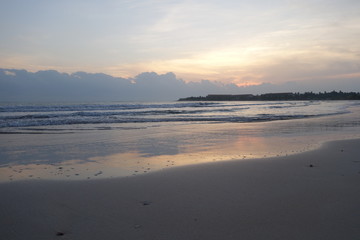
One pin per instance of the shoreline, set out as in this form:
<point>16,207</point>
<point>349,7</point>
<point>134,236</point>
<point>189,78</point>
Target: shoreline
<point>81,152</point>
<point>311,195</point>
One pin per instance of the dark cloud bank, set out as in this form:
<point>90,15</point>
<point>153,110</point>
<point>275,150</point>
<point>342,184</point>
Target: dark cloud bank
<point>21,85</point>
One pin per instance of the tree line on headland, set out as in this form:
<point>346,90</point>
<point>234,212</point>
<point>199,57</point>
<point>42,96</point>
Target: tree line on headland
<point>334,95</point>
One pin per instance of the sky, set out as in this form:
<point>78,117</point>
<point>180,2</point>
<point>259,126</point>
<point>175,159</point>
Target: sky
<point>248,42</point>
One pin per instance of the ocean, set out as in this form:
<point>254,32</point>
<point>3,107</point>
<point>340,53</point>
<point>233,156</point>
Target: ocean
<point>80,141</point>
<point>20,117</point>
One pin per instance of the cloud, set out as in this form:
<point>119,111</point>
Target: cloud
<point>9,73</point>
<point>50,85</point>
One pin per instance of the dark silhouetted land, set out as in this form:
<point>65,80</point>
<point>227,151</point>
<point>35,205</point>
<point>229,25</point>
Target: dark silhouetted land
<point>288,96</point>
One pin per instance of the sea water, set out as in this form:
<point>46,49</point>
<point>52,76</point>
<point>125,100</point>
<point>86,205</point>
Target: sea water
<point>95,140</point>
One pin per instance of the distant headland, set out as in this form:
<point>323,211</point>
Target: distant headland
<point>287,96</point>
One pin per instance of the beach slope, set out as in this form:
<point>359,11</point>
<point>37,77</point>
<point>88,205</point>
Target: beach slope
<point>313,195</point>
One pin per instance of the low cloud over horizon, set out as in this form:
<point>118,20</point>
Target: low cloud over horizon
<point>50,85</point>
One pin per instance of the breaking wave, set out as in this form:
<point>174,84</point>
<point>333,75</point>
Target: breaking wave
<point>31,115</point>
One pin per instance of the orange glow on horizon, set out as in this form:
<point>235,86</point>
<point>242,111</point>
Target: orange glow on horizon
<point>247,84</point>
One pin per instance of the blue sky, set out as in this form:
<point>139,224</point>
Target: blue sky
<point>244,42</point>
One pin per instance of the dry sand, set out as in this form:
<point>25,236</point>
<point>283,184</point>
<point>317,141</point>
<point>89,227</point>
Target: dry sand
<point>313,195</point>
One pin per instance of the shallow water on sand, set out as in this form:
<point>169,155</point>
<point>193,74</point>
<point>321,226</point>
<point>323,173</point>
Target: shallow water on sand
<point>79,152</point>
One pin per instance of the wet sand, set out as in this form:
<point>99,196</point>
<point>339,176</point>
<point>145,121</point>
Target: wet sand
<point>312,195</point>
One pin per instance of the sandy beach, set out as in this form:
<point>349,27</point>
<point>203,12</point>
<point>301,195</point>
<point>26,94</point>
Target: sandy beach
<point>312,195</point>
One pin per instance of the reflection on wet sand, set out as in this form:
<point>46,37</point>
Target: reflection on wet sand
<point>141,162</point>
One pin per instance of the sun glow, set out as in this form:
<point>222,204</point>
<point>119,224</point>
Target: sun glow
<point>247,84</point>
